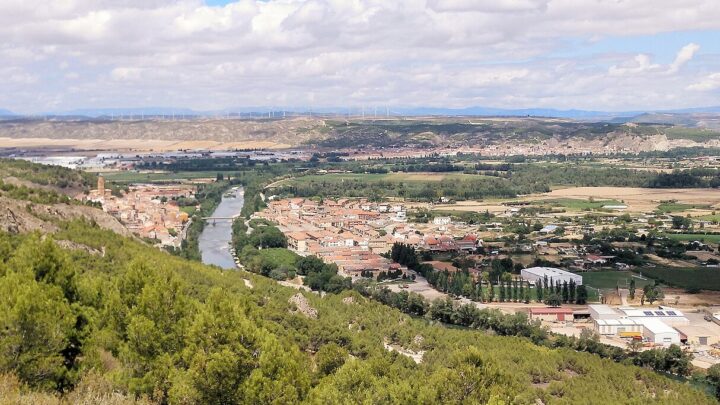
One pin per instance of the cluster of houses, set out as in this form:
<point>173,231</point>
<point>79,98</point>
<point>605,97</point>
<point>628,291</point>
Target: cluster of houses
<point>354,233</point>
<point>146,210</point>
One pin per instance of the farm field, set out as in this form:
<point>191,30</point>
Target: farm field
<point>139,145</point>
<point>677,207</point>
<point>391,177</point>
<point>138,177</point>
<point>611,279</point>
<point>702,278</point>
<point>637,199</point>
<point>689,237</point>
<point>578,204</point>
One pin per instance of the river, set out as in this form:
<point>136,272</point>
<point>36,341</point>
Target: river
<point>214,242</point>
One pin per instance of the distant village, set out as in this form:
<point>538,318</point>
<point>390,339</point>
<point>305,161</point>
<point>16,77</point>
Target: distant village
<point>149,211</point>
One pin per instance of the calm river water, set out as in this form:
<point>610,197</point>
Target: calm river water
<point>215,238</point>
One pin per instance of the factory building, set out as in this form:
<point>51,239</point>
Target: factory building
<point>598,312</point>
<point>697,336</point>
<point>670,316</point>
<point>658,332</point>
<point>618,327</point>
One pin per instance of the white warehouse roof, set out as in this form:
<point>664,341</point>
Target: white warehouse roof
<point>552,273</point>
<point>602,309</point>
<point>660,312</point>
<point>657,326</point>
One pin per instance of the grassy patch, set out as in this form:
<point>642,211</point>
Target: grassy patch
<point>697,277</point>
<point>577,204</point>
<point>695,134</point>
<point>677,207</point>
<point>689,237</point>
<point>611,279</point>
<point>188,209</point>
<point>711,218</point>
<point>279,257</point>
<point>148,177</point>
<point>386,177</point>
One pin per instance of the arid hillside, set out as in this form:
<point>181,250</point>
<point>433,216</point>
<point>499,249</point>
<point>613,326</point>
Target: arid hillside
<point>526,135</point>
<point>160,134</point>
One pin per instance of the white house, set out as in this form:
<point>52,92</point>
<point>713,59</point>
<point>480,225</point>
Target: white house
<point>549,229</point>
<point>441,220</point>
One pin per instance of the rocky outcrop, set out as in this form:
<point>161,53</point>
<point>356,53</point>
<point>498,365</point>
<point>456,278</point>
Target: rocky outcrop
<point>21,216</point>
<point>302,306</point>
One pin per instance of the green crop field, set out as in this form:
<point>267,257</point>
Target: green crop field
<point>711,218</point>
<point>677,207</point>
<point>689,237</point>
<point>611,279</point>
<point>388,177</point>
<point>577,204</point>
<point>703,278</point>
<point>148,177</point>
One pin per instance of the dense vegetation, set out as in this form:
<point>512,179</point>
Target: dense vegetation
<point>53,176</point>
<point>110,318</point>
<point>692,279</point>
<point>502,182</point>
<point>145,323</point>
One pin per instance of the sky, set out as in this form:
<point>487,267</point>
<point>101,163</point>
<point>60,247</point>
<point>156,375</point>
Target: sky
<point>608,55</point>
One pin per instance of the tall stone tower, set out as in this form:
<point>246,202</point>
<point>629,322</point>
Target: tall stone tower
<point>101,185</point>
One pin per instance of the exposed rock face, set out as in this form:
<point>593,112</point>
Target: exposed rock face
<point>292,131</point>
<point>20,216</point>
<point>68,244</point>
<point>303,306</point>
<point>348,300</point>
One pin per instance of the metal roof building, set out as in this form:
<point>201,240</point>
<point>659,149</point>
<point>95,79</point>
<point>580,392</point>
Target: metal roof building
<point>534,274</point>
<point>670,316</point>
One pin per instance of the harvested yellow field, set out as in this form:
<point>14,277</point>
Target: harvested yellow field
<point>637,199</point>
<point>135,144</point>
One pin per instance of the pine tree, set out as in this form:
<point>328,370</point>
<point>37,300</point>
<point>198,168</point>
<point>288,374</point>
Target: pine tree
<point>539,290</point>
<point>581,296</point>
<point>632,289</point>
<point>526,295</point>
<point>565,292</point>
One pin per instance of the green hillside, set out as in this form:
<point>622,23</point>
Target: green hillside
<point>88,316</point>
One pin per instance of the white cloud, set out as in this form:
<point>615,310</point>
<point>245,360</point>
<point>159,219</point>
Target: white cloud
<point>710,82</point>
<point>639,64</point>
<point>332,52</point>
<point>683,56</point>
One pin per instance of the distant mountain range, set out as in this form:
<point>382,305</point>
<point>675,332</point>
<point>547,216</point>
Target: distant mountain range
<point>616,116</point>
